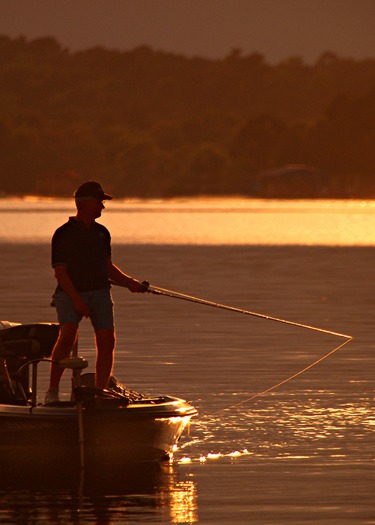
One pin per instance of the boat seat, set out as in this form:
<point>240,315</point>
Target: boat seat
<point>28,341</point>
<point>21,343</point>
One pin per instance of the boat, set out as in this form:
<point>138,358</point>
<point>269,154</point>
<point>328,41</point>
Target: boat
<point>117,425</point>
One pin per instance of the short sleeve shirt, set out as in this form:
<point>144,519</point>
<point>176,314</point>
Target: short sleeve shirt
<point>85,253</point>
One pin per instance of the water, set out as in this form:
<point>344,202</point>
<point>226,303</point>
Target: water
<point>300,454</point>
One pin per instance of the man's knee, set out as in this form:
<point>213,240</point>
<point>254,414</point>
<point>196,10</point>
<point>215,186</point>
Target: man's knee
<point>67,335</point>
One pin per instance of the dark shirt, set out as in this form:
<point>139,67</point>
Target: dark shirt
<point>85,253</point>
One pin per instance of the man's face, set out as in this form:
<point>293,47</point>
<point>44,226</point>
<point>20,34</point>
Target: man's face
<point>94,207</point>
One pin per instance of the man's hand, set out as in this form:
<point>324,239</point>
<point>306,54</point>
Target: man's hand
<point>66,284</point>
<point>137,287</point>
<point>81,307</point>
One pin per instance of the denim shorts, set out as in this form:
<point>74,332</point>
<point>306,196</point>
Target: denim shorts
<point>100,305</point>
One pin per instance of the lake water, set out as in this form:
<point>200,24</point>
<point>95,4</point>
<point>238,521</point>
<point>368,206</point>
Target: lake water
<point>300,454</point>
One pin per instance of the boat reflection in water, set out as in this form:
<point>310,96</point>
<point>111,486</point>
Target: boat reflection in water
<point>107,495</point>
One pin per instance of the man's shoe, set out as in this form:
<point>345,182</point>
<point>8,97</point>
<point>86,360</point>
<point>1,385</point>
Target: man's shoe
<point>52,396</point>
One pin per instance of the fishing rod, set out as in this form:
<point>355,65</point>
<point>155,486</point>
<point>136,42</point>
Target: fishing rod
<point>177,295</point>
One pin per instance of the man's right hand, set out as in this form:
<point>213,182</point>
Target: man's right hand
<point>66,284</point>
<point>81,307</point>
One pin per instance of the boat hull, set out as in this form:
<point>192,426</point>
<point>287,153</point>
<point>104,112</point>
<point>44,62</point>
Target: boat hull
<point>137,432</point>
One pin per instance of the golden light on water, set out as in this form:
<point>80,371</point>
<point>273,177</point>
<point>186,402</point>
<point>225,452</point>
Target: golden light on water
<point>226,221</point>
<point>180,499</point>
<point>184,502</point>
<point>185,460</point>
<point>211,456</point>
<point>246,221</point>
<point>320,423</point>
<point>291,427</point>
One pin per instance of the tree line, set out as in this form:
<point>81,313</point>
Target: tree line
<point>149,124</point>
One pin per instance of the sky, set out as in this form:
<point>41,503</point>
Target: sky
<point>278,29</point>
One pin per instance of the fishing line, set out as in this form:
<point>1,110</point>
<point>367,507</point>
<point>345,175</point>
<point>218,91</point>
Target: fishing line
<point>296,374</point>
<point>178,295</point>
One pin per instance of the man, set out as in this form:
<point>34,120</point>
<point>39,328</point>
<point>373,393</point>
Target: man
<point>81,258</point>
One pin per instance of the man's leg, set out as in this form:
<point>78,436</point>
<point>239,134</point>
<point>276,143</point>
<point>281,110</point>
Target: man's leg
<point>105,345</point>
<point>61,350</point>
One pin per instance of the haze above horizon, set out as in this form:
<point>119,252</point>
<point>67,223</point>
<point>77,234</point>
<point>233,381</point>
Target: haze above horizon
<point>277,29</point>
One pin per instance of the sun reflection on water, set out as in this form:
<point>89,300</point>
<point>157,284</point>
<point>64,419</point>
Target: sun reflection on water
<point>181,500</point>
<point>200,221</point>
<point>298,426</point>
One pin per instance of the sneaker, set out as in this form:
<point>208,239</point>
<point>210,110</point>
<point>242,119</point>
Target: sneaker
<point>52,396</point>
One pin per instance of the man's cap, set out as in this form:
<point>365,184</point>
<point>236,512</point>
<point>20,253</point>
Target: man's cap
<point>91,190</point>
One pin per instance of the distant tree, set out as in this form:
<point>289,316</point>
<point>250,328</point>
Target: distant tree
<point>207,172</point>
<point>257,141</point>
<point>153,123</point>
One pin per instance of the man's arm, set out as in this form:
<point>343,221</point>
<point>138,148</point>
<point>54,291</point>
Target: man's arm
<point>120,278</point>
<point>66,284</point>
